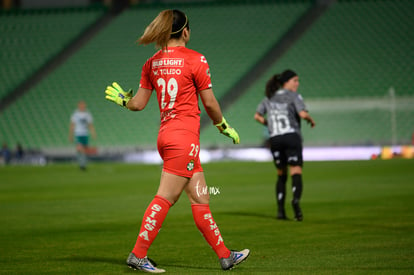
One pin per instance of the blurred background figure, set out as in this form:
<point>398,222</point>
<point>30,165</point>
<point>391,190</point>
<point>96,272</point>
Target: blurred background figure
<point>284,108</point>
<point>81,127</point>
<point>5,153</point>
<point>19,154</point>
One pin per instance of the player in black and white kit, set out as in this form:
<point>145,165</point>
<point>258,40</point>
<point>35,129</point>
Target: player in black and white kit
<point>281,111</point>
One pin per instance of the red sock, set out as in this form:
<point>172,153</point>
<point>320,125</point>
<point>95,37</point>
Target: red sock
<point>151,224</point>
<point>208,227</point>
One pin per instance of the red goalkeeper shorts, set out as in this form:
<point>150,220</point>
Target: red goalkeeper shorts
<point>180,150</point>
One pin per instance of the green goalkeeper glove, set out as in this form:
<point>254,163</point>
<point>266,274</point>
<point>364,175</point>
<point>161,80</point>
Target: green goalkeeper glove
<point>116,94</point>
<point>226,130</point>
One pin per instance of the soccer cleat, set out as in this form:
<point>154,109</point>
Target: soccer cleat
<point>297,210</point>
<point>235,258</point>
<point>144,264</point>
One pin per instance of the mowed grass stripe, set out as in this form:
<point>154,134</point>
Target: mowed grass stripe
<point>358,219</point>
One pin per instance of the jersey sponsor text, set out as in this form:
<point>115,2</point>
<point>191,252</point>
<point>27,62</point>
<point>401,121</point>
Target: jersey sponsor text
<point>168,62</point>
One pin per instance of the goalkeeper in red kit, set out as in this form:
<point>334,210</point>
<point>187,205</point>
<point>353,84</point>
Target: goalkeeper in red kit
<point>180,77</point>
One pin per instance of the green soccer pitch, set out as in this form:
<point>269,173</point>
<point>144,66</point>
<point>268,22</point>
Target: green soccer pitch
<point>358,219</point>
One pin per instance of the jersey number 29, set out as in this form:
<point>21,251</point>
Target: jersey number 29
<point>171,88</point>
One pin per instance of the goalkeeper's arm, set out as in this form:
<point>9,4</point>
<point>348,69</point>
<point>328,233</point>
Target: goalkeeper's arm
<point>139,100</point>
<point>211,105</point>
<point>116,94</point>
<point>213,110</point>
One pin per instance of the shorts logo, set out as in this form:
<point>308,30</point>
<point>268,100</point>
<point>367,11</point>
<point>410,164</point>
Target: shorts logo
<point>190,165</point>
<point>293,158</point>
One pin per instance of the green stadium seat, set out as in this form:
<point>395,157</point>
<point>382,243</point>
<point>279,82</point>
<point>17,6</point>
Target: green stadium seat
<point>112,55</point>
<point>350,52</point>
<point>31,38</point>
<point>356,51</point>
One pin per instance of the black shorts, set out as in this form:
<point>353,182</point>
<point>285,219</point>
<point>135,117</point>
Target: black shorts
<point>287,150</point>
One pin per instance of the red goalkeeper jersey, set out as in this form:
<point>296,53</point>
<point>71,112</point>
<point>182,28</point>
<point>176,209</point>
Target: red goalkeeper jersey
<point>177,76</point>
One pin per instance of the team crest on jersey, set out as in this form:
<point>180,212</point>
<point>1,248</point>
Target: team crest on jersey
<point>190,165</point>
<point>208,72</point>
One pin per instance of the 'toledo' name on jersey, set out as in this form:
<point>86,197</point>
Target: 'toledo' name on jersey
<point>158,65</point>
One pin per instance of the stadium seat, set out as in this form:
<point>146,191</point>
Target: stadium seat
<point>31,38</point>
<point>112,55</point>
<point>347,61</point>
<point>351,54</point>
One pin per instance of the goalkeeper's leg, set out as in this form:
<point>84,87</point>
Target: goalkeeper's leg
<point>197,192</point>
<point>151,224</point>
<point>169,190</point>
<point>199,198</point>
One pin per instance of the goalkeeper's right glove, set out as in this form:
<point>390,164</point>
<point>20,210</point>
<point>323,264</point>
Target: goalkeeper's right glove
<point>116,94</point>
<point>226,130</point>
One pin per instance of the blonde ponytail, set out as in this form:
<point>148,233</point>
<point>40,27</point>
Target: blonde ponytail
<point>159,30</point>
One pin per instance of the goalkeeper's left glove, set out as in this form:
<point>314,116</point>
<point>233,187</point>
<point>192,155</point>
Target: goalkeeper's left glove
<point>116,94</point>
<point>226,130</point>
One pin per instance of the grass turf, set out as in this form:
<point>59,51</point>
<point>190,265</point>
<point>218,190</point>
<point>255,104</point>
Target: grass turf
<point>358,219</point>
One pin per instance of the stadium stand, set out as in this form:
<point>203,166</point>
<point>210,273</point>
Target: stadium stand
<point>347,61</point>
<point>113,56</point>
<point>29,39</point>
